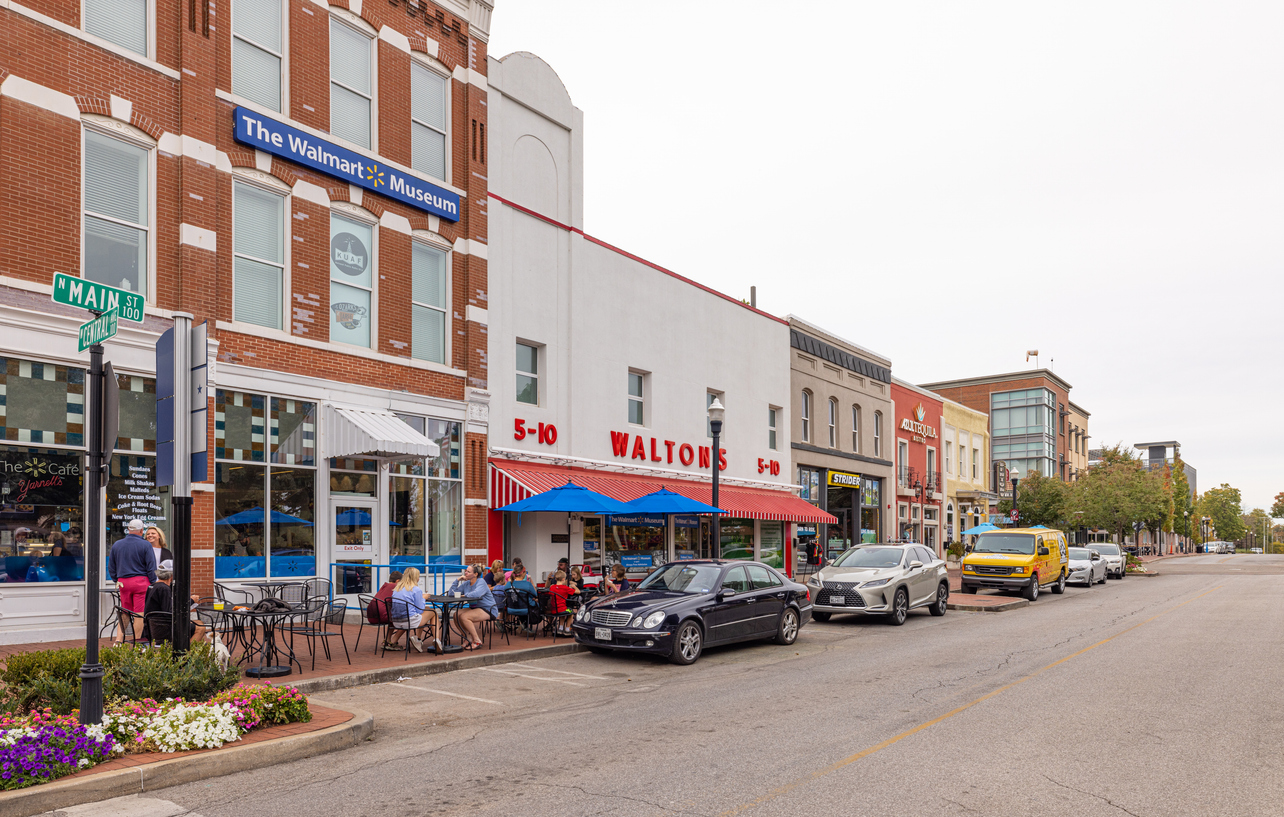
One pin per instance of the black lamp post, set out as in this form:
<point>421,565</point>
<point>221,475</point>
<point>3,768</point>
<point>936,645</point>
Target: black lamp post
<point>918,500</point>
<point>1015,480</point>
<point>1187,546</point>
<point>716,413</point>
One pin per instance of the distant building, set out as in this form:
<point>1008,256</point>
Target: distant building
<point>1077,436</point>
<point>1157,456</point>
<point>966,444</point>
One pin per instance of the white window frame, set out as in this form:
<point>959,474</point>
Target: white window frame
<point>537,349</point>
<point>640,400</point>
<point>773,421</point>
<point>949,446</point>
<point>428,64</point>
<point>343,17</point>
<point>855,428</point>
<point>150,33</point>
<point>833,422</point>
<point>133,136</point>
<point>976,459</point>
<point>276,187</point>
<point>444,309</point>
<point>354,213</point>
<point>902,462</point>
<point>878,434</point>
<point>805,416</point>
<point>284,77</point>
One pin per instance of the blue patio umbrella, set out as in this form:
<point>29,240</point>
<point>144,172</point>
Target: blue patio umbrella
<point>568,499</point>
<point>667,502</point>
<point>254,516</point>
<point>984,527</point>
<point>1032,527</point>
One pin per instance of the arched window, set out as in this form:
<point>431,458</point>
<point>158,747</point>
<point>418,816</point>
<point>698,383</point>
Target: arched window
<point>878,434</point>
<point>806,416</point>
<point>856,429</point>
<point>833,423</point>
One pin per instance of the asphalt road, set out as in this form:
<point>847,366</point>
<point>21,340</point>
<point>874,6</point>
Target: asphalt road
<point>1147,696</point>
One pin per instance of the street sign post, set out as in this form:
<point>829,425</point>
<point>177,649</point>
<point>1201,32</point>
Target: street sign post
<point>78,292</point>
<point>1013,515</point>
<point>99,329</point>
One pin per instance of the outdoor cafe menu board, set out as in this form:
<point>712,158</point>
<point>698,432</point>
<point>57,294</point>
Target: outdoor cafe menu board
<point>135,495</point>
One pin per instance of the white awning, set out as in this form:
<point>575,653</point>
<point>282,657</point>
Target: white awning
<point>370,432</point>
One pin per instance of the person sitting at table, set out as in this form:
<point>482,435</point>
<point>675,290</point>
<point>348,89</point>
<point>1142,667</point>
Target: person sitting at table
<point>617,582</point>
<point>496,572</point>
<point>497,591</point>
<point>376,611</point>
<point>481,608</point>
<point>564,565</point>
<point>559,592</point>
<point>577,578</point>
<point>410,614</point>
<point>517,562</point>
<point>160,599</point>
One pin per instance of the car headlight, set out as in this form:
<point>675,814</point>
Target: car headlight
<point>1017,571</point>
<point>654,619</point>
<point>876,583</point>
<point>581,613</point>
<point>815,580</point>
<point>967,568</point>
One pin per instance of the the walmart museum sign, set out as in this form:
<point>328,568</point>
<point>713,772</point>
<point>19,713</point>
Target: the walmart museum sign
<point>280,139</point>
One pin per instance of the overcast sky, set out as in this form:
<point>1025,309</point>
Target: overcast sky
<point>951,184</point>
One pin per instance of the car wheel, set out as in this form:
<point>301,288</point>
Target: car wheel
<point>1031,590</point>
<point>1103,578</point>
<point>942,600</point>
<point>687,644</point>
<point>1060,586</point>
<point>787,632</point>
<point>821,617</point>
<point>900,608</point>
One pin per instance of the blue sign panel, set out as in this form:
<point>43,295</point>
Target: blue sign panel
<point>636,561</point>
<point>280,139</point>
<point>653,520</point>
<point>165,408</point>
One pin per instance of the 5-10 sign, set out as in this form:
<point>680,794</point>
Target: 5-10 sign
<point>768,467</point>
<point>546,433</point>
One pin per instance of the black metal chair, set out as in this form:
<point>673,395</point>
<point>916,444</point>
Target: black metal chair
<point>159,626</point>
<point>366,600</point>
<point>306,621</point>
<point>318,589</point>
<point>129,620</point>
<point>521,610</point>
<point>294,594</point>
<point>404,625</point>
<point>332,616</point>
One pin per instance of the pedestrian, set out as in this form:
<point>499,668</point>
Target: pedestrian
<point>377,609</point>
<point>132,565</point>
<point>410,614</point>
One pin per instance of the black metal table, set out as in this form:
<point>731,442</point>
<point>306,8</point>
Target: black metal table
<point>260,641</point>
<point>445,603</point>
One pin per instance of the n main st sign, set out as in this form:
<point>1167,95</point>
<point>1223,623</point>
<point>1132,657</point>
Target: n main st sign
<point>78,292</point>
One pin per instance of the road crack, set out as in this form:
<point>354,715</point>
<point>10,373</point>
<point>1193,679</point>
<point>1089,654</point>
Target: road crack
<point>1105,800</point>
<point>583,790</point>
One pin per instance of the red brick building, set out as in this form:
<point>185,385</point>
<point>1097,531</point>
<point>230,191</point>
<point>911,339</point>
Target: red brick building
<point>309,180</point>
<point>919,486</point>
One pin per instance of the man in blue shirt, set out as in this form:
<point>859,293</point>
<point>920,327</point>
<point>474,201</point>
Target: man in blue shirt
<point>482,605</point>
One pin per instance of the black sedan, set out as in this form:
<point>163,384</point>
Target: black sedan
<point>683,606</point>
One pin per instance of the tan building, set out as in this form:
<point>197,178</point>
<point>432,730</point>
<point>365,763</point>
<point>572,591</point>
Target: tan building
<point>1077,437</point>
<point>965,447</point>
<point>842,437</point>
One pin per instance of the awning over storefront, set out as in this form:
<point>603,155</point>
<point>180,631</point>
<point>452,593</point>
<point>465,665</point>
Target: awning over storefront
<point>513,481</point>
<point>352,432</point>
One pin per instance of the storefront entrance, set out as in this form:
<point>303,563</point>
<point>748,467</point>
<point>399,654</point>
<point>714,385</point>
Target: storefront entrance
<point>357,546</point>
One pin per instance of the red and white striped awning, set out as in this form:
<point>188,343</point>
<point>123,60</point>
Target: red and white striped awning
<point>512,481</point>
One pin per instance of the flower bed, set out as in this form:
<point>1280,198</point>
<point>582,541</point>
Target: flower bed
<point>43,746</point>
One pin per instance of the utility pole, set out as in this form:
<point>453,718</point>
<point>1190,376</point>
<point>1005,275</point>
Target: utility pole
<point>103,407</point>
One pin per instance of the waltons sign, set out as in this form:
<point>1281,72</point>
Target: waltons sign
<point>273,137</point>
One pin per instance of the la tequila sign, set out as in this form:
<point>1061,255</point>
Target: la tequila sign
<point>916,426</point>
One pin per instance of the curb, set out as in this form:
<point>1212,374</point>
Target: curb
<point>987,608</point>
<point>93,788</point>
<point>408,670</point>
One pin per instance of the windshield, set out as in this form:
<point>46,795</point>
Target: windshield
<point>1080,554</point>
<point>681,578</point>
<point>870,557</point>
<point>1108,550</point>
<point>1005,543</point>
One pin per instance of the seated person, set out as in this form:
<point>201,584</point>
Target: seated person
<point>482,604</point>
<point>558,594</point>
<point>495,573</point>
<point>376,611</point>
<point>160,599</point>
<point>617,582</point>
<point>410,613</point>
<point>577,578</point>
<point>497,590</point>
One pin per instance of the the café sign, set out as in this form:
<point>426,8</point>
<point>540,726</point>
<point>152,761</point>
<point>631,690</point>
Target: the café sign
<point>279,139</point>
<point>40,479</point>
<point>917,427</point>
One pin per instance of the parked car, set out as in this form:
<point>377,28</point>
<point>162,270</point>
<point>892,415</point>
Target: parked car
<point>1025,559</point>
<point>1086,566</point>
<point>1116,560</point>
<point>685,606</point>
<point>881,579</point>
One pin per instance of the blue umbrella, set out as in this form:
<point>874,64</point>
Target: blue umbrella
<point>254,516</point>
<point>984,527</point>
<point>569,498</point>
<point>1032,527</point>
<point>667,502</point>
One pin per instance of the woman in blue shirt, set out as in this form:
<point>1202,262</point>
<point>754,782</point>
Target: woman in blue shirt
<point>481,607</point>
<point>410,614</point>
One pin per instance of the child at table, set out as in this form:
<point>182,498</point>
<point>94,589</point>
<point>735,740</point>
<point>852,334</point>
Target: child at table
<point>558,594</point>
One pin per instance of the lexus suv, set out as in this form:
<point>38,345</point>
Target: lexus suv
<point>886,580</point>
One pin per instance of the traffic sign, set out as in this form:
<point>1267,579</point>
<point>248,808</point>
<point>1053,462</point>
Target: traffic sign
<point>1013,515</point>
<point>96,297</point>
<point>99,329</point>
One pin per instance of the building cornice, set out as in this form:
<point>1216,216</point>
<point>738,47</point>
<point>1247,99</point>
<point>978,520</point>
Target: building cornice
<point>1033,374</point>
<point>833,452</point>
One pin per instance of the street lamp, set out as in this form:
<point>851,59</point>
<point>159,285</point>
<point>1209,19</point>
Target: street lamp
<point>918,500</point>
<point>1187,515</point>
<point>1016,520</point>
<point>716,413</point>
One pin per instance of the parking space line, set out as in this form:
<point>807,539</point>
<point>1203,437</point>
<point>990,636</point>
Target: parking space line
<point>532,677</point>
<point>529,668</point>
<point>443,692</point>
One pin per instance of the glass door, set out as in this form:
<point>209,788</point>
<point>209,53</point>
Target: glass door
<point>357,546</point>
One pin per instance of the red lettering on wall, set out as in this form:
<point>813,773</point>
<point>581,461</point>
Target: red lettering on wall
<point>704,456</point>
<point>668,444</point>
<point>722,459</point>
<point>546,434</point>
<point>655,457</point>
<point>686,454</point>
<point>550,434</point>
<point>620,443</point>
<point>519,429</point>
<point>639,449</point>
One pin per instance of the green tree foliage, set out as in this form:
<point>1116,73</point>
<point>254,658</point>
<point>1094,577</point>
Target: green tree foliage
<point>1277,510</point>
<point>1118,492</point>
<point>1258,524</point>
<point>1181,496</point>
<point>1222,504</point>
<point>1042,501</point>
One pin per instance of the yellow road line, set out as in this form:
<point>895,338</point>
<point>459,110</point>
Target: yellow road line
<point>847,761</point>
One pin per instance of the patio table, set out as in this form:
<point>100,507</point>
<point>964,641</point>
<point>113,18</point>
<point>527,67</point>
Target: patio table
<point>446,603</point>
<point>271,587</point>
<point>261,641</point>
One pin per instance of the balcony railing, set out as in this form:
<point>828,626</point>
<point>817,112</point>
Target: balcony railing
<point>932,482</point>
<point>905,476</point>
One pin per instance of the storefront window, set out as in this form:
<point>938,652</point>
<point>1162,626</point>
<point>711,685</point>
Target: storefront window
<point>639,545</point>
<point>43,403</point>
<point>771,549</point>
<point>592,544</point>
<point>407,520</point>
<point>41,522</point>
<point>294,432</point>
<point>446,435</point>
<point>239,521</point>
<point>686,536</point>
<point>809,485</point>
<point>239,424</point>
<point>137,413</point>
<point>737,538</point>
<point>293,522</point>
<point>132,494</point>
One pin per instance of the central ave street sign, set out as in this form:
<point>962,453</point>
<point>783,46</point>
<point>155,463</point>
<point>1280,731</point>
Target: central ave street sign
<point>99,329</point>
<point>84,294</point>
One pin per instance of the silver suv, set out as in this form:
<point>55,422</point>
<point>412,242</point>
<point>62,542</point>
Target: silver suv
<point>887,580</point>
<point>1116,559</point>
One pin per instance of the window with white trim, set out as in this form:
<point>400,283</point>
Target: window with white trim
<point>976,464</point>
<point>527,373</point>
<point>122,22</point>
<point>949,456</point>
<point>833,423</point>
<point>878,434</point>
<point>805,415</point>
<point>258,255</point>
<point>351,88</point>
<point>771,427</point>
<point>117,212</point>
<point>352,280</point>
<point>855,429</point>
<point>429,104</point>
<point>636,399</point>
<point>256,51</point>
<point>428,303</point>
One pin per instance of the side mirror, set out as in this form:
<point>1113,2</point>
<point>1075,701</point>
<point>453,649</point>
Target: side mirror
<point>915,565</point>
<point>726,593</point>
<point>1043,550</point>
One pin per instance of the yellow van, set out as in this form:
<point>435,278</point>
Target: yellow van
<point>1025,559</point>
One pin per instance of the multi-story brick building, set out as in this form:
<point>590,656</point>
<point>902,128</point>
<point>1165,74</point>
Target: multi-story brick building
<point>309,180</point>
<point>920,490</point>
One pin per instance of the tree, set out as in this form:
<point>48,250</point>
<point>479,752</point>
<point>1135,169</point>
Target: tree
<point>1257,523</point>
<point>1040,501</point>
<point>1181,496</point>
<point>1118,492</point>
<point>1277,510</point>
<point>1222,505</point>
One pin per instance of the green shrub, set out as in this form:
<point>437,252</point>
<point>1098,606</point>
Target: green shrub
<point>956,550</point>
<point>23,667</point>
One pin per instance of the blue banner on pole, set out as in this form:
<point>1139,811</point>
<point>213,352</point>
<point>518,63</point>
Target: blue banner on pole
<point>165,408</point>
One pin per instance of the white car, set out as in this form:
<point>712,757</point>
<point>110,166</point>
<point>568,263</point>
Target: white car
<point>1086,566</point>
<point>1116,559</point>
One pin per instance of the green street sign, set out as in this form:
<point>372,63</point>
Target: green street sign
<point>99,329</point>
<point>78,292</point>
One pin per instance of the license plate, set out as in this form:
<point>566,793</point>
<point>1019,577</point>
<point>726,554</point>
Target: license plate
<point>837,600</point>
<point>602,633</point>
